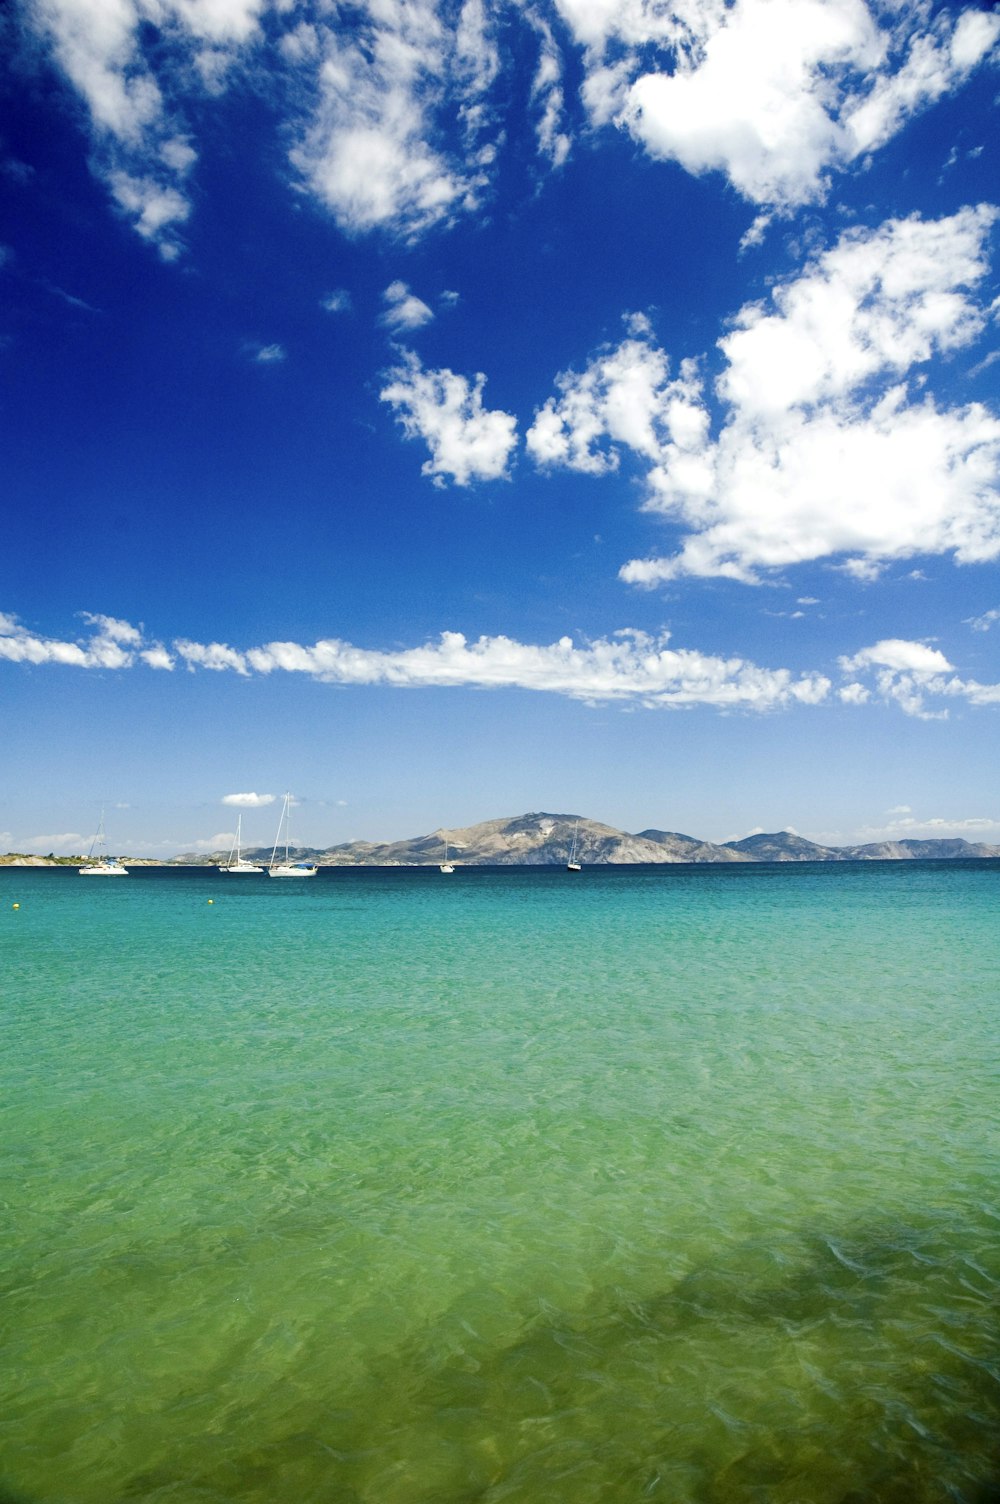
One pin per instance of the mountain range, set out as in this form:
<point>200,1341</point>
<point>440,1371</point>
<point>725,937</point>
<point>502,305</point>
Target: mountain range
<point>539,840</point>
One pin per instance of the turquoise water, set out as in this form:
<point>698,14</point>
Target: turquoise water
<point>673,1184</point>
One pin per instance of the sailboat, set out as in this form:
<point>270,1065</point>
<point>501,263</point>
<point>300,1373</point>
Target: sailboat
<point>236,862</point>
<point>287,868</point>
<point>99,864</point>
<point>446,866</point>
<point>573,865</point>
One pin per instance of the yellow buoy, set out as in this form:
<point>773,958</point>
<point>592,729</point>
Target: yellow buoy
<point>211,900</point>
<point>16,906</point>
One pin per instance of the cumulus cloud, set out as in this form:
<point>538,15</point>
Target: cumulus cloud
<point>248,801</point>
<point>917,678</point>
<point>775,94</point>
<point>113,644</point>
<point>404,310</point>
<point>212,655</point>
<point>625,397</point>
<point>831,446</point>
<point>467,441</point>
<point>896,653</point>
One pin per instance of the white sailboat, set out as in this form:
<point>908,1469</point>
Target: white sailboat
<point>573,865</point>
<point>287,868</point>
<point>236,862</point>
<point>446,866</point>
<point>99,864</point>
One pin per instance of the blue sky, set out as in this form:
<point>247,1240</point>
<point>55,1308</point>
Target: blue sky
<point>449,410</point>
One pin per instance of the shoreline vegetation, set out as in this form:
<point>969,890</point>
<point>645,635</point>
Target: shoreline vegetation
<point>541,840</point>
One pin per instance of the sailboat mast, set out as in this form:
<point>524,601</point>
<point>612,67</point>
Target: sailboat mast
<point>277,839</point>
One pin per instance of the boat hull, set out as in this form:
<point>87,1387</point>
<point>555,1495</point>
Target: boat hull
<point>289,871</point>
<point>103,871</point>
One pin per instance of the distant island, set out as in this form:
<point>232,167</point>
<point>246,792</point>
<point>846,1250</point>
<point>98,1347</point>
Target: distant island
<point>544,840</point>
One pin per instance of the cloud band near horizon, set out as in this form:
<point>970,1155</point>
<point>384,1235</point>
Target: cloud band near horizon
<point>627,666</point>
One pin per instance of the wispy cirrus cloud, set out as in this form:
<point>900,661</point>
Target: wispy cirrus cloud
<point>338,301</point>
<point>265,355</point>
<point>140,144</point>
<point>372,140</point>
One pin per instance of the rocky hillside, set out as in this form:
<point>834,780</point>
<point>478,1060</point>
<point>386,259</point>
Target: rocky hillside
<point>534,840</point>
<point>540,840</point>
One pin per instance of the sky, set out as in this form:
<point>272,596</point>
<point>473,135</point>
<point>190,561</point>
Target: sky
<point>443,411</point>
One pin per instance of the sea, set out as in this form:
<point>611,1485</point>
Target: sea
<point>515,1186</point>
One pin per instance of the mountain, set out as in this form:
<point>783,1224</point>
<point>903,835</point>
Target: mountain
<point>690,849</point>
<point>543,840</point>
<point>533,840</point>
<point>783,846</point>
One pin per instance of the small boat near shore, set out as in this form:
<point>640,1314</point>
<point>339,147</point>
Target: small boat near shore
<point>573,865</point>
<point>99,864</point>
<point>236,862</point>
<point>286,867</point>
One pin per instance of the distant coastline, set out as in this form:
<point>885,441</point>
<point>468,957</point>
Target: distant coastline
<point>540,840</point>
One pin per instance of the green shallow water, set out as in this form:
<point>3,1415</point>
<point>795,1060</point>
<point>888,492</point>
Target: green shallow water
<point>388,1188</point>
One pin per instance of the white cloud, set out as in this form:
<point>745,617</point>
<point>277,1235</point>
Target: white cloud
<point>391,109</point>
<point>896,653</point>
<point>936,62</point>
<point>157,657</point>
<point>137,146</point>
<point>628,666</point>
<point>624,397</point>
<point>768,91</point>
<point>917,678</point>
<point>467,441</point>
<point>370,147</point>
<point>824,451</point>
<point>213,655</point>
<point>338,301</point>
<point>984,622</point>
<point>248,801</point>
<point>266,355</point>
<point>221,841</point>
<point>547,96</point>
<point>112,644</point>
<point>404,310</point>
